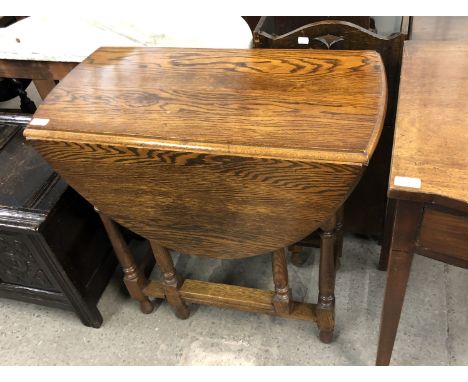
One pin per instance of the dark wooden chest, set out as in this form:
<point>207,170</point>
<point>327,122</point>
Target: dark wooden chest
<point>53,249</point>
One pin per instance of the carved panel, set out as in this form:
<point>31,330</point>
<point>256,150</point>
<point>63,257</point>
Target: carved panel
<point>329,40</point>
<point>18,265</point>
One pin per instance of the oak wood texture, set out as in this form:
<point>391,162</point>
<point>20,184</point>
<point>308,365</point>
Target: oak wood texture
<point>339,35</point>
<point>432,28</point>
<point>171,282</point>
<point>233,297</point>
<point>365,207</point>
<point>199,149</point>
<point>432,123</point>
<point>185,92</point>
<point>431,145</point>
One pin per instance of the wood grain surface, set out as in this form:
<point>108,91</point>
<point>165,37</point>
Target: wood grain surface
<point>221,153</point>
<point>340,35</point>
<point>200,204</point>
<point>365,208</point>
<point>36,70</point>
<point>444,232</point>
<point>431,28</point>
<point>234,297</point>
<point>431,136</point>
<point>275,103</point>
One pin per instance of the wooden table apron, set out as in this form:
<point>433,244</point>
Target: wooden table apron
<point>43,73</point>
<point>218,153</point>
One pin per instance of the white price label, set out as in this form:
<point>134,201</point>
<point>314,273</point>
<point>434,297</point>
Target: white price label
<point>405,181</point>
<point>302,40</point>
<point>39,122</point>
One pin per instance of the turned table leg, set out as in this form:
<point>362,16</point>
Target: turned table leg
<point>170,280</point>
<point>134,279</point>
<point>338,247</point>
<point>407,218</point>
<point>326,298</point>
<point>282,299</point>
<point>298,255</point>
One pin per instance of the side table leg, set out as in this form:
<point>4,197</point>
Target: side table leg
<point>170,280</point>
<point>407,219</point>
<point>326,298</point>
<point>338,237</point>
<point>282,299</point>
<point>134,280</point>
<point>387,235</point>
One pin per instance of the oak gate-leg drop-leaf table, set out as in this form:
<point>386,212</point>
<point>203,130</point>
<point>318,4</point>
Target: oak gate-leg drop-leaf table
<point>222,153</point>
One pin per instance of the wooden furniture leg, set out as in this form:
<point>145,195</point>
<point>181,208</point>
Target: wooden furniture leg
<point>387,238</point>
<point>326,298</point>
<point>298,256</point>
<point>170,282</point>
<point>44,87</point>
<point>338,247</point>
<point>134,279</point>
<point>407,218</point>
<point>282,300</point>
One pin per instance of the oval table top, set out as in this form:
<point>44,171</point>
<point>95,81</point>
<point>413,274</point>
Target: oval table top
<point>220,153</point>
<point>262,103</point>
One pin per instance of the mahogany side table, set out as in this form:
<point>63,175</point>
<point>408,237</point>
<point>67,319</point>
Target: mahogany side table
<point>429,176</point>
<point>219,153</point>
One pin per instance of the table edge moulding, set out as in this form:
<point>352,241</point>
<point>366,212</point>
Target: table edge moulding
<point>360,155</point>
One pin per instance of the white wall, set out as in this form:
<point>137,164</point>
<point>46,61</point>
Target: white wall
<point>386,25</point>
